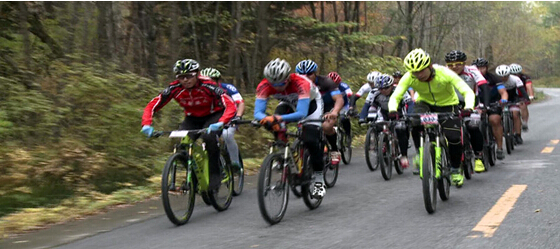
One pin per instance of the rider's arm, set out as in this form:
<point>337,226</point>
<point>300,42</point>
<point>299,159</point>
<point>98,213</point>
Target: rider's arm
<point>529,86</point>
<point>367,105</point>
<point>158,102</point>
<point>227,101</point>
<point>364,89</point>
<point>263,91</point>
<point>520,88</point>
<point>485,94</point>
<point>236,96</point>
<point>397,95</point>
<point>503,92</point>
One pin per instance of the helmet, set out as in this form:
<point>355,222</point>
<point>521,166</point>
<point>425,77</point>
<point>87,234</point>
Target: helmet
<point>455,55</point>
<point>211,72</point>
<point>397,74</point>
<point>503,70</point>
<point>277,70</point>
<point>371,76</point>
<point>185,66</point>
<point>383,80</point>
<point>515,68</point>
<point>480,62</point>
<point>417,60</point>
<point>335,77</point>
<point>306,66</point>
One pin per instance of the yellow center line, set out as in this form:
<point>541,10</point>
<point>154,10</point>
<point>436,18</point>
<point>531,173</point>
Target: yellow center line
<point>492,220</point>
<point>547,150</point>
<point>554,142</point>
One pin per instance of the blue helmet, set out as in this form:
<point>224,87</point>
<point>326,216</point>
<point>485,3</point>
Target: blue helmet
<point>383,81</point>
<point>306,67</point>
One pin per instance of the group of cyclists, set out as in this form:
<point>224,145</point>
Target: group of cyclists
<point>304,95</point>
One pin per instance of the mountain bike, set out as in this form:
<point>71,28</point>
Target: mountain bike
<point>186,173</point>
<point>286,166</point>
<point>370,145</point>
<point>344,140</point>
<point>434,165</point>
<point>490,145</point>
<point>388,148</point>
<point>507,122</point>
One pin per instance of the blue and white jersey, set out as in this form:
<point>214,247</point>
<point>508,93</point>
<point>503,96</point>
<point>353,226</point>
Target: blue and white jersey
<point>347,92</point>
<point>232,91</point>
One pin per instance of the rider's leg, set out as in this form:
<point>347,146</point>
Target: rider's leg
<point>233,149</point>
<point>347,126</point>
<point>211,145</point>
<point>524,112</point>
<point>477,143</point>
<point>497,129</point>
<point>516,122</point>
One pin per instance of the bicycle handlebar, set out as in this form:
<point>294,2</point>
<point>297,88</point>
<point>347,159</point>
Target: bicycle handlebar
<point>157,134</point>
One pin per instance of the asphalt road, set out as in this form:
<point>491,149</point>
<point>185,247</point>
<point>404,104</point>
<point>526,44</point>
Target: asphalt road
<point>361,211</point>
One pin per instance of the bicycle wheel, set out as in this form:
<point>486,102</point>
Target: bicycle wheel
<point>491,147</point>
<point>370,148</point>
<point>444,182</point>
<point>272,188</point>
<point>307,186</point>
<point>177,193</point>
<point>238,177</point>
<point>346,148</point>
<point>429,181</point>
<point>384,156</point>
<point>508,136</point>
<point>330,172</point>
<point>221,197</point>
<point>468,162</point>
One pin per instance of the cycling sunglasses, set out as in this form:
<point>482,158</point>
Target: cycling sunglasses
<point>279,84</point>
<point>454,64</point>
<point>187,76</point>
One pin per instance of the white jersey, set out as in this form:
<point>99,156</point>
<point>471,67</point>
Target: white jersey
<point>513,82</point>
<point>472,76</point>
<point>366,88</point>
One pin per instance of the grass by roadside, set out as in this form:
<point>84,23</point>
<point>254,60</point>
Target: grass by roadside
<point>75,208</point>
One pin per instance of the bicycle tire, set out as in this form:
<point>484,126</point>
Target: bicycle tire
<point>263,187</point>
<point>307,186</point>
<point>221,203</point>
<point>491,146</point>
<point>328,170</point>
<point>384,156</point>
<point>371,139</point>
<point>507,135</point>
<point>238,174</point>
<point>444,183</point>
<point>429,182</point>
<point>170,168</point>
<point>468,163</point>
<point>346,149</point>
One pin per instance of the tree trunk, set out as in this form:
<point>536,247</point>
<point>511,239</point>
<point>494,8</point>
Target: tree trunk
<point>36,27</point>
<point>23,15</point>
<point>365,17</point>
<point>357,13</point>
<point>70,40</point>
<point>214,48</point>
<point>102,37</point>
<point>312,6</point>
<point>324,49</point>
<point>195,38</point>
<point>409,25</point>
<point>85,35</point>
<point>150,35</point>
<point>175,47</point>
<point>322,11</point>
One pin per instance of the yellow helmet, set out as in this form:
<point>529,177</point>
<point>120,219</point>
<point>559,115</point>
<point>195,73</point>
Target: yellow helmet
<point>417,60</point>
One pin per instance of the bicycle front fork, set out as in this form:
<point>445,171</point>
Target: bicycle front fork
<point>437,150</point>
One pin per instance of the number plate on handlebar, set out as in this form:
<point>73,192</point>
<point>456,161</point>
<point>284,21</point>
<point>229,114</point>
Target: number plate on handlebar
<point>179,133</point>
<point>429,119</point>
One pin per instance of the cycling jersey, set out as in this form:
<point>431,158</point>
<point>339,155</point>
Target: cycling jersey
<point>299,93</point>
<point>379,101</point>
<point>347,93</point>
<point>438,91</point>
<point>366,88</point>
<point>512,84</point>
<point>526,81</point>
<point>495,83</point>
<point>231,90</point>
<point>203,99</point>
<point>327,88</point>
<point>473,78</point>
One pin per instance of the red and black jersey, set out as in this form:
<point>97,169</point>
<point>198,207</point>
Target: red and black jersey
<point>202,100</point>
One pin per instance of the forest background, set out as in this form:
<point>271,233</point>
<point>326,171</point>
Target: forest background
<point>76,76</point>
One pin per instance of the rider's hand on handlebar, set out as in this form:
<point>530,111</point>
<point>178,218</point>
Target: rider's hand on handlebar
<point>271,122</point>
<point>330,115</point>
<point>148,130</point>
<point>393,115</point>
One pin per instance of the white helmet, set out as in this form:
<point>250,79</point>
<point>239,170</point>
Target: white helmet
<point>515,68</point>
<point>503,70</point>
<point>371,77</point>
<point>277,70</point>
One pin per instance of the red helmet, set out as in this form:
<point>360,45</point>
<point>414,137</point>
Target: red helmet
<point>335,77</point>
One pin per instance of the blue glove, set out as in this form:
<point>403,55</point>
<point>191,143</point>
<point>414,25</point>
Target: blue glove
<point>503,101</point>
<point>215,127</point>
<point>148,130</point>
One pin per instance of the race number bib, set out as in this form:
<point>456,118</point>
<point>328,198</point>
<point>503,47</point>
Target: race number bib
<point>429,119</point>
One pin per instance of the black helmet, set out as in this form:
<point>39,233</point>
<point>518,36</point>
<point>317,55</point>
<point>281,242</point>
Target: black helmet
<point>455,55</point>
<point>397,74</point>
<point>480,62</point>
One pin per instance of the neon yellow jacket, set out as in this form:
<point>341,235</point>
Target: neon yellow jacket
<point>438,92</point>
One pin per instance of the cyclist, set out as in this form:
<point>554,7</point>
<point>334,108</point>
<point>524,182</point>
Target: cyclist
<point>206,105</point>
<point>380,99</point>
<point>513,84</point>
<point>332,101</point>
<point>366,88</point>
<point>456,61</point>
<point>497,93</point>
<point>528,86</point>
<point>228,135</point>
<point>435,88</point>
<point>343,88</point>
<point>299,99</point>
